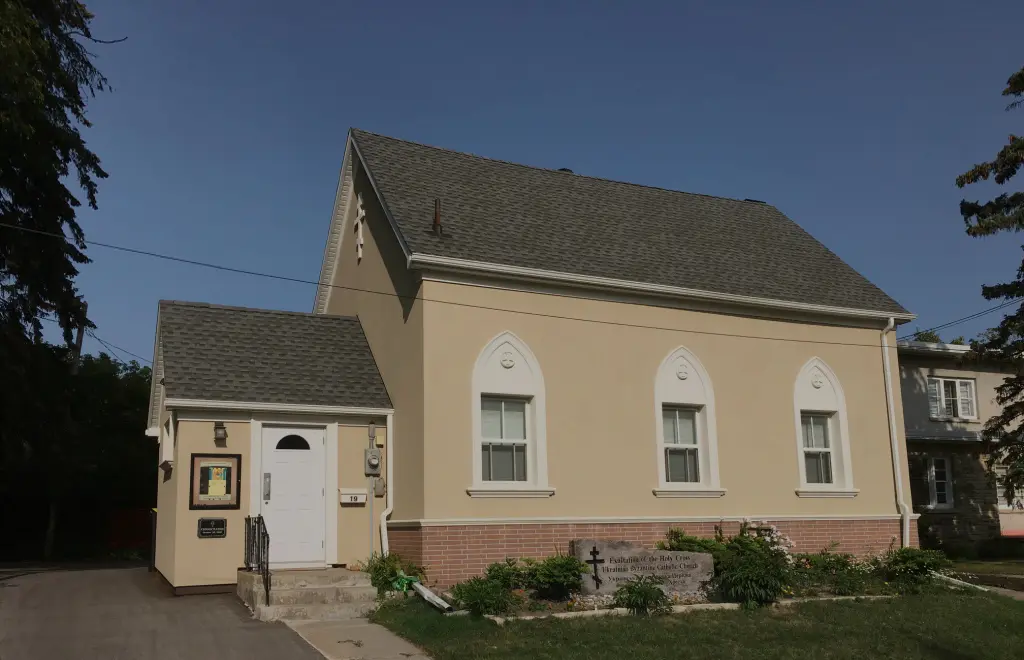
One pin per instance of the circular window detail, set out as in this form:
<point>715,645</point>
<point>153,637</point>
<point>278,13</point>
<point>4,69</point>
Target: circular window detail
<point>292,442</point>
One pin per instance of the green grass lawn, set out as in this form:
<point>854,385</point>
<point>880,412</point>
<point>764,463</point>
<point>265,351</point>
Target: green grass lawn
<point>991,567</point>
<point>939,624</point>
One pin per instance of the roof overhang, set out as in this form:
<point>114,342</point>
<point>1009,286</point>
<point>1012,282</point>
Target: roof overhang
<point>929,348</point>
<point>260,406</point>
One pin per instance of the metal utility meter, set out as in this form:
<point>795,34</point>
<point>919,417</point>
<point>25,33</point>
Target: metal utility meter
<point>372,460</point>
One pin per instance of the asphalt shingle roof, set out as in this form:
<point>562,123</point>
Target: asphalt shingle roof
<point>262,356</point>
<point>503,213</point>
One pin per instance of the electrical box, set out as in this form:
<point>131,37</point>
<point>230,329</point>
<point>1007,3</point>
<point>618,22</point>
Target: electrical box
<point>372,461</point>
<point>380,489</point>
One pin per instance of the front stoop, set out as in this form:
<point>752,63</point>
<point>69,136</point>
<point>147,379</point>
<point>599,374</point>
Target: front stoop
<point>329,594</point>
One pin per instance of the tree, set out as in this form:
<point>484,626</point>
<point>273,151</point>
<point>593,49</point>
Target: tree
<point>929,336</point>
<point>45,77</point>
<point>1003,213</point>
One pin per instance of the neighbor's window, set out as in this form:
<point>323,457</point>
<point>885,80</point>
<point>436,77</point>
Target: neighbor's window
<point>1017,503</point>
<point>504,433</point>
<point>940,483</point>
<point>817,448</point>
<point>679,442</point>
<point>951,398</point>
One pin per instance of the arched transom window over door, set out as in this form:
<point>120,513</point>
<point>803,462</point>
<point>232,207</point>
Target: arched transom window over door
<point>822,433</point>
<point>509,422</point>
<point>687,436</point>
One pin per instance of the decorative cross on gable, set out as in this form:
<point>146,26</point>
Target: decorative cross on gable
<point>360,215</point>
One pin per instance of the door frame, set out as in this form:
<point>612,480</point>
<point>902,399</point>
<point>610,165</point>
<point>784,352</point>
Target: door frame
<point>330,521</point>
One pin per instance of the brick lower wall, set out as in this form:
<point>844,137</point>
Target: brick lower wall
<point>453,553</point>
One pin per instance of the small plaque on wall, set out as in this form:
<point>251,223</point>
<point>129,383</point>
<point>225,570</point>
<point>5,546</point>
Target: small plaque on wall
<point>212,528</point>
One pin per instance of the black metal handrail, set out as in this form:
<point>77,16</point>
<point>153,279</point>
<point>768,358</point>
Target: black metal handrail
<point>257,550</point>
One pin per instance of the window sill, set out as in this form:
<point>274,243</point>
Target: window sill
<point>827,492</point>
<point>954,419</point>
<point>689,492</point>
<point>486,491</point>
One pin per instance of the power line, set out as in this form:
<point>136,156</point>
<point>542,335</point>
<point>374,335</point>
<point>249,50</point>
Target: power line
<point>966,318</point>
<point>110,347</point>
<point>297,280</point>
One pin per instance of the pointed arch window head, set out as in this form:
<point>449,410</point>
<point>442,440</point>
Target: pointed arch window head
<point>822,433</point>
<point>509,422</point>
<point>687,438</point>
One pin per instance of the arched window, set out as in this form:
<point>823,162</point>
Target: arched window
<point>292,442</point>
<point>822,433</point>
<point>687,436</point>
<point>509,422</point>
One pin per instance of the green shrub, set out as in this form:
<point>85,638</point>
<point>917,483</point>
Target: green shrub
<point>839,573</point>
<point>556,578</point>
<point>643,596</point>
<point>484,596</point>
<point>678,540</point>
<point>383,570</point>
<point>751,571</point>
<point>511,574</point>
<point>908,569</point>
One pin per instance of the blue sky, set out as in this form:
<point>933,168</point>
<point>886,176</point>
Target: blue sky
<point>224,134</point>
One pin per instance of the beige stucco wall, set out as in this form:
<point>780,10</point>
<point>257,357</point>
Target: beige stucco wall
<point>166,511</point>
<point>355,542</point>
<point>601,423</point>
<point>914,373</point>
<point>208,561</point>
<point>394,329</point>
<point>186,560</point>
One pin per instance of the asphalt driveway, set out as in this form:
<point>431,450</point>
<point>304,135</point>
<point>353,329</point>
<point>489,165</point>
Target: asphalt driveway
<point>128,614</point>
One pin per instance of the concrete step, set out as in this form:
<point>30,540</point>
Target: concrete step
<point>339,577</point>
<point>314,612</point>
<point>321,594</point>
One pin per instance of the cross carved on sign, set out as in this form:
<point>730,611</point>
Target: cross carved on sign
<point>594,561</point>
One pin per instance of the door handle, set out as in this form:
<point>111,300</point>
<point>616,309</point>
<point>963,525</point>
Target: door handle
<point>266,486</point>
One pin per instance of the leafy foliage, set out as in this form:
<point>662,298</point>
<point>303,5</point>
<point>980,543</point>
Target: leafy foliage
<point>1003,213</point>
<point>838,573</point>
<point>556,578</point>
<point>512,573</point>
<point>46,76</point>
<point>751,571</point>
<point>678,540</point>
<point>929,336</point>
<point>481,595</point>
<point>642,595</point>
<point>383,570</point>
<point>908,569</point>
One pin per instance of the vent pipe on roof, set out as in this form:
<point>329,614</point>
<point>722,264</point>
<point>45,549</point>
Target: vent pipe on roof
<point>565,169</point>
<point>437,216</point>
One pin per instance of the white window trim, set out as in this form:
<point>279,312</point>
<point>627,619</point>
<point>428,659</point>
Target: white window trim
<point>942,399</point>
<point>933,504</point>
<point>840,435</point>
<point>1001,495</point>
<point>536,484</point>
<point>707,429</point>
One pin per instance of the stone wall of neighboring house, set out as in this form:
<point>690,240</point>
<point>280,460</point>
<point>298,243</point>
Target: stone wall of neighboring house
<point>974,515</point>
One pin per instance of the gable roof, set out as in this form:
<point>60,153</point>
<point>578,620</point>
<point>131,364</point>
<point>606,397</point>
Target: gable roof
<point>236,354</point>
<point>526,219</point>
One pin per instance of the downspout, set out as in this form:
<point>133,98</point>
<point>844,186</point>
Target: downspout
<point>389,486</point>
<point>897,471</point>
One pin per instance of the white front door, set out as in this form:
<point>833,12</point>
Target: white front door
<point>293,494</point>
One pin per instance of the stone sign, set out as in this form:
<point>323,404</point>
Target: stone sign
<point>614,562</point>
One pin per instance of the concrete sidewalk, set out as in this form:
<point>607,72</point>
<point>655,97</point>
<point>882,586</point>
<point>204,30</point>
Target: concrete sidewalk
<point>355,639</point>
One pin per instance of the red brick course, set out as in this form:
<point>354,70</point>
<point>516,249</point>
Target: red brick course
<point>452,553</point>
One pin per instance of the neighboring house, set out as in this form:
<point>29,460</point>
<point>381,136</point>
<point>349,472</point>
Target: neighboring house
<point>565,357</point>
<point>947,398</point>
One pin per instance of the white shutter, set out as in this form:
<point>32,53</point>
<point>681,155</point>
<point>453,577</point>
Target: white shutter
<point>967,398</point>
<point>933,398</point>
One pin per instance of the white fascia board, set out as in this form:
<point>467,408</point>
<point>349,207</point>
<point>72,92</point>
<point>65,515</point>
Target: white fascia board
<point>534,274</point>
<point>207,404</point>
<point>929,348</point>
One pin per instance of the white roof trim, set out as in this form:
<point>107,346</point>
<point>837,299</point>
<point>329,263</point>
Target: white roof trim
<point>156,376</point>
<point>535,274</point>
<point>208,404</point>
<point>929,348</point>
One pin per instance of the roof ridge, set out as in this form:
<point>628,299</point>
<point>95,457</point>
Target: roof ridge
<point>238,308</point>
<point>556,171</point>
